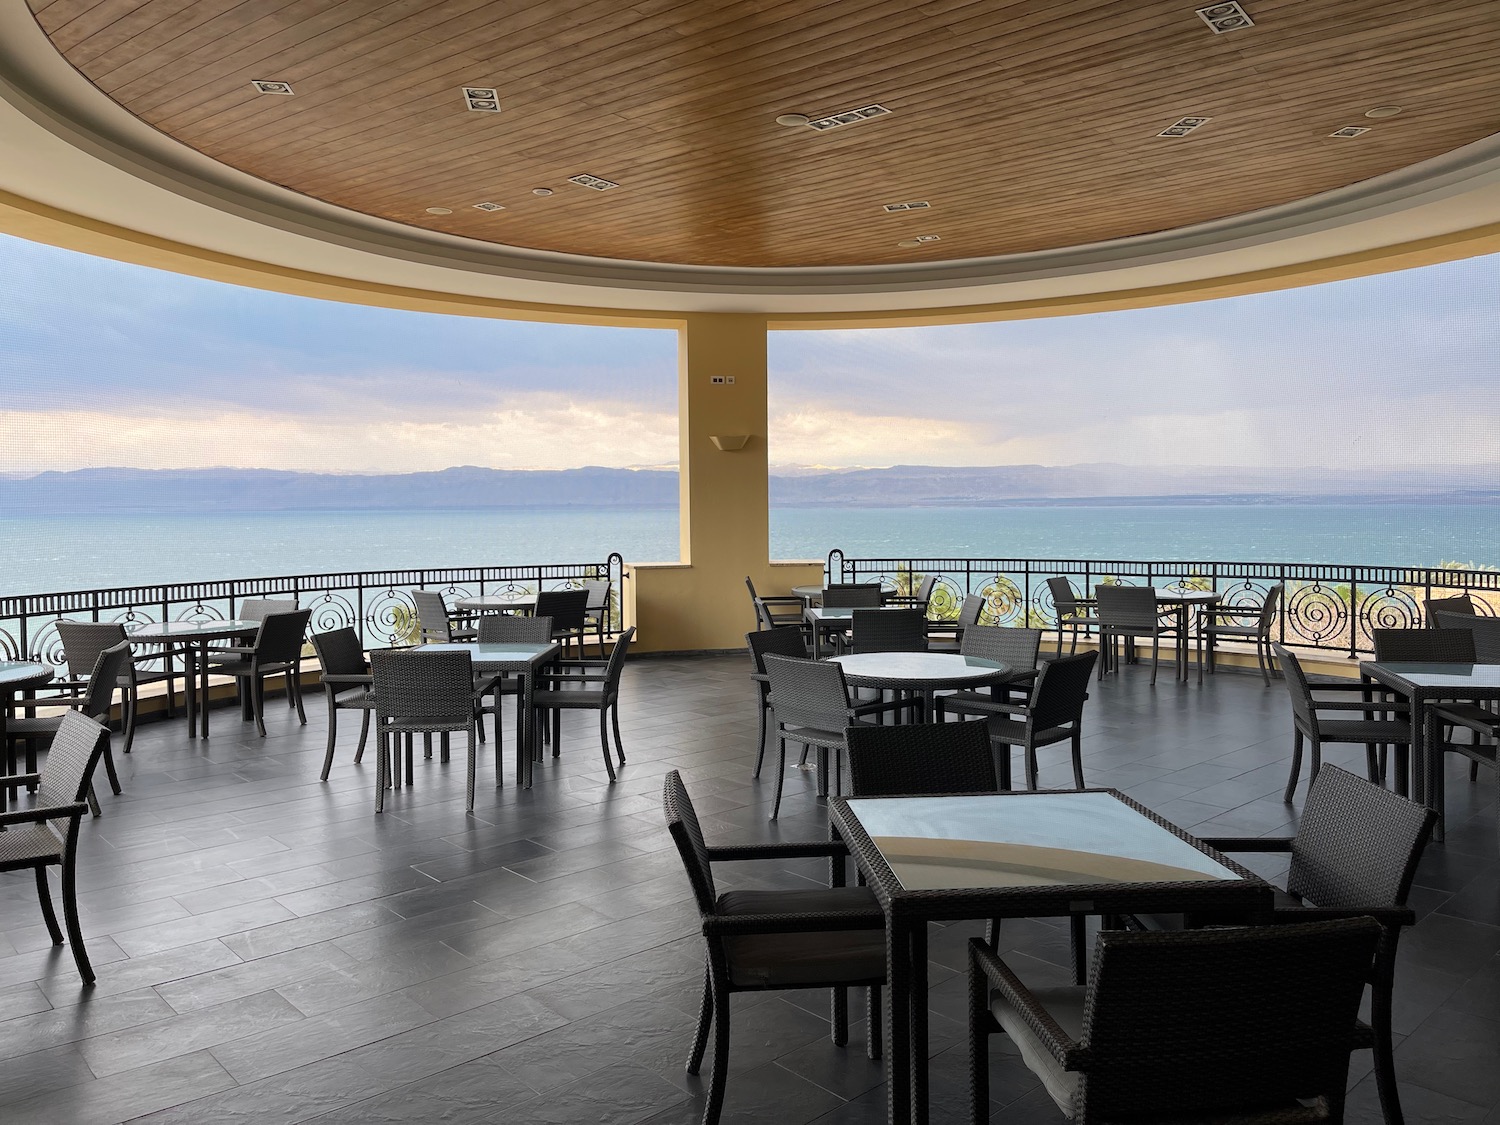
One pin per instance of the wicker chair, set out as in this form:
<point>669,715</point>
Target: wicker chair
<point>1018,649</point>
<point>95,702</point>
<point>569,690</point>
<point>1212,627</point>
<point>31,837</point>
<point>257,609</point>
<point>1072,612</point>
<point>1484,630</point>
<point>508,628</point>
<point>1461,603</point>
<point>434,623</point>
<point>775,611</point>
<point>1424,646</point>
<point>1128,612</point>
<point>1309,724</point>
<point>1053,714</point>
<point>923,758</point>
<point>862,595</point>
<point>889,630</point>
<point>786,640</point>
<point>277,651</point>
<point>419,692</point>
<point>82,642</point>
<point>922,599</point>
<point>1237,1025</point>
<point>569,610</point>
<point>596,614</point>
<point>947,636</point>
<point>346,684</point>
<point>761,940</point>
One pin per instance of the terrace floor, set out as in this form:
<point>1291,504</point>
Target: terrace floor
<point>269,950</point>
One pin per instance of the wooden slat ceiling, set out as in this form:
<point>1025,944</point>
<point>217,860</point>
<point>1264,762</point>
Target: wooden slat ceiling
<point>1028,124</point>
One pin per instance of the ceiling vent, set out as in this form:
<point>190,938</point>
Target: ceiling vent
<point>837,120</point>
<point>915,205</point>
<point>1350,131</point>
<point>928,238</point>
<point>265,87</point>
<point>489,207</point>
<point>1183,126</point>
<point>583,179</point>
<point>482,99</point>
<point>1223,18</point>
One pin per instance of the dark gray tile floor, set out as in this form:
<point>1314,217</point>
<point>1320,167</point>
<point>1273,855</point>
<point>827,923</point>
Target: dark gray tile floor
<point>269,950</point>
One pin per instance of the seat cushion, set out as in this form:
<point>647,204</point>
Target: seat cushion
<point>794,960</point>
<point>26,844</point>
<point>1065,1005</point>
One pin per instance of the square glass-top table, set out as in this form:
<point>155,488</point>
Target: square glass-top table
<point>523,660</point>
<point>1029,854</point>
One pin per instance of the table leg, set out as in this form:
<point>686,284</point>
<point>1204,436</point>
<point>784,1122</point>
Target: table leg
<point>524,732</point>
<point>918,1000</point>
<point>190,687</point>
<point>203,687</point>
<point>898,1007</point>
<point>10,751</point>
<point>1432,763</point>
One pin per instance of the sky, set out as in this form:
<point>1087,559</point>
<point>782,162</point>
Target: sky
<point>110,364</point>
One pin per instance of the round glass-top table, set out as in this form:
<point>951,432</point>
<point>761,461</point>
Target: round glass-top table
<point>496,603</point>
<point>17,675</point>
<point>919,671</point>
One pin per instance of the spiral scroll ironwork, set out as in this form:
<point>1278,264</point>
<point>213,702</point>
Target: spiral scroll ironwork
<point>391,618</point>
<point>10,647</point>
<point>947,598</point>
<point>332,611</point>
<point>1317,613</point>
<point>1390,607</point>
<point>1004,604</point>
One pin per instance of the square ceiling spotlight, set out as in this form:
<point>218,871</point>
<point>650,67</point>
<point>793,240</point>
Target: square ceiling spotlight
<point>929,238</point>
<point>1350,131</point>
<point>915,205</point>
<point>850,117</point>
<point>489,207</point>
<point>583,179</point>
<point>1183,126</point>
<point>1225,17</point>
<point>266,87</point>
<point>482,99</point>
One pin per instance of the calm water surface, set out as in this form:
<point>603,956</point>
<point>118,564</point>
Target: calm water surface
<point>40,554</point>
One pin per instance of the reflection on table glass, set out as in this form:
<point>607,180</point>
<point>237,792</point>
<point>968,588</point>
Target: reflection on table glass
<point>1050,839</point>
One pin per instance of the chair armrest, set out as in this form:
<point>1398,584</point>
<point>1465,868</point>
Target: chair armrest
<point>1365,706</point>
<point>483,687</point>
<point>876,706</point>
<point>346,678</point>
<point>231,651</point>
<point>573,678</point>
<point>16,780</point>
<point>828,921</point>
<point>798,849</point>
<point>1057,1041</point>
<point>1367,685</point>
<point>49,701</point>
<point>781,599</point>
<point>41,816</point>
<point>1385,915</point>
<point>1248,843</point>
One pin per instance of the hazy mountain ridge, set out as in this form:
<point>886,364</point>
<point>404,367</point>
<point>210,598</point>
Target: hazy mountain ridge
<point>468,487</point>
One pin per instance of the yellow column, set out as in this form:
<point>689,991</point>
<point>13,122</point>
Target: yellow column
<point>701,602</point>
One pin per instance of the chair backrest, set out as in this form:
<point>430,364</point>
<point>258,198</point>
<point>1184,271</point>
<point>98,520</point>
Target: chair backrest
<point>340,653</point>
<point>255,609</point>
<point>75,750</point>
<point>1016,647</point>
<point>1267,620</point>
<point>808,693</point>
<point>787,640</point>
<point>889,630</point>
<point>861,596</point>
<point>616,663</point>
<point>924,593</point>
<point>1460,603</point>
<point>1244,1019</point>
<point>432,616</point>
<point>1063,596</point>
<point>1357,844</point>
<point>921,758</point>
<point>598,595</point>
<point>503,628</point>
<point>969,611</point>
<point>1484,630</point>
<point>418,684</point>
<point>83,641</point>
<point>567,608</point>
<point>279,640</point>
<point>1437,646</point>
<point>682,823</point>
<point>1127,607</point>
<point>1297,687</point>
<point>105,679</point>
<point>1062,688</point>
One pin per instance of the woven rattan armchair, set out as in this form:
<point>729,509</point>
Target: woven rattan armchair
<point>857,595</point>
<point>1461,603</point>
<point>922,599</point>
<point>1249,1025</point>
<point>947,636</point>
<point>1484,630</point>
<point>888,630</point>
<point>346,684</point>
<point>1072,612</point>
<point>775,610</point>
<point>1053,714</point>
<point>597,612</point>
<point>762,940</point>
<point>82,642</point>
<point>785,640</point>
<point>1424,646</point>
<point>1018,649</point>
<point>1218,622</point>
<point>434,623</point>
<point>1125,613</point>
<point>508,628</point>
<point>588,685</point>
<point>94,701</point>
<point>277,651</point>
<point>569,610</point>
<point>921,758</point>
<point>1309,724</point>
<point>35,837</point>
<point>257,609</point>
<point>1482,755</point>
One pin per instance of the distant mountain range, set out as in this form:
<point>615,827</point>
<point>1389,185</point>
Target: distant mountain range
<point>257,490</point>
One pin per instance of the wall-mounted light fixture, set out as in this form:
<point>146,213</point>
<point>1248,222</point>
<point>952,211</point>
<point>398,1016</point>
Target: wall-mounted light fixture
<point>729,443</point>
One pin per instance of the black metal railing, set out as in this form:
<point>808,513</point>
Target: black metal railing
<point>1325,606</point>
<point>375,602</point>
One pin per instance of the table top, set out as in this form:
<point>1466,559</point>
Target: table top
<point>17,674</point>
<point>497,601</point>
<point>1433,676</point>
<point>806,592</point>
<point>186,630</point>
<point>1179,596</point>
<point>509,656</point>
<point>931,670</point>
<point>841,614</point>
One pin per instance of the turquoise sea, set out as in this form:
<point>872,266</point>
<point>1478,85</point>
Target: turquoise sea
<point>44,554</point>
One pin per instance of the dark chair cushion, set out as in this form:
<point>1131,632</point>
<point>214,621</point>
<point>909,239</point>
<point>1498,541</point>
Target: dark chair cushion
<point>812,959</point>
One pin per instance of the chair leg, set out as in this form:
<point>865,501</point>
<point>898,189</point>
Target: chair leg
<point>874,1023</point>
<point>382,767</point>
<point>364,730</point>
<point>1375,763</point>
<point>839,1015</point>
<point>705,1018</point>
<point>720,1069</point>
<point>44,896</point>
<point>1077,758</point>
<point>1317,761</point>
<point>1031,779</point>
<point>258,702</point>
<point>604,741</point>
<point>1002,764</point>
<point>109,767</point>
<point>614,722</point>
<point>1155,657</point>
<point>979,1045</point>
<point>1385,1062</point>
<point>1291,781</point>
<point>130,703</point>
<point>780,776</point>
<point>333,713</point>
<point>760,739</point>
<point>1078,928</point>
<point>473,752</point>
<point>70,915</point>
<point>294,689</point>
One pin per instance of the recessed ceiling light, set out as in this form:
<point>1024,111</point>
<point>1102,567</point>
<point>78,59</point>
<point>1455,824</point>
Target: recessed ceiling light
<point>489,207</point>
<point>1350,131</point>
<point>1183,126</point>
<point>482,99</point>
<point>583,179</point>
<point>1225,17</point>
<point>908,242</point>
<point>440,210</point>
<point>1383,111</point>
<point>914,205</point>
<point>834,121</point>
<point>266,87</point>
<point>541,191</point>
<point>793,119</point>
